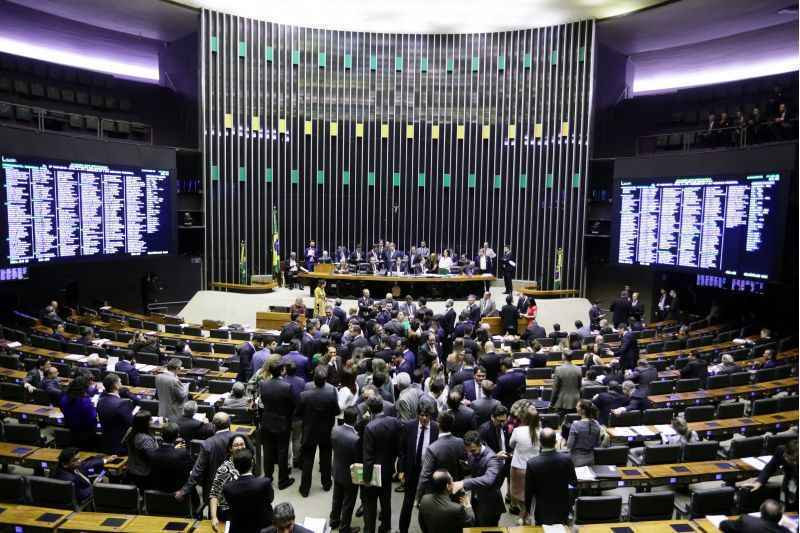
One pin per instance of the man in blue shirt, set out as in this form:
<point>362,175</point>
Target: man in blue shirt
<point>300,361</point>
<point>260,356</point>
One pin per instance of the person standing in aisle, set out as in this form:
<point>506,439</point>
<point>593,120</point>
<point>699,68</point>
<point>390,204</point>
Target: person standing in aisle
<point>509,267</point>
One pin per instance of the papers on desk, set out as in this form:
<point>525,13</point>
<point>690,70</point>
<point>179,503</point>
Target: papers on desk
<point>486,275</point>
<point>624,432</point>
<point>200,417</point>
<point>105,308</point>
<point>14,344</point>
<point>755,462</point>
<point>557,528</point>
<point>214,398</point>
<point>644,431</point>
<point>317,525</point>
<point>765,458</point>
<point>357,474</point>
<point>76,357</point>
<point>521,361</point>
<point>111,363</point>
<point>145,368</point>
<point>666,429</point>
<point>716,519</point>
<point>584,473</point>
<point>136,410</point>
<point>100,342</point>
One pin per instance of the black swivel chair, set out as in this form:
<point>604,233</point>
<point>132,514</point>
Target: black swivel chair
<point>598,509</point>
<point>765,406</point>
<point>613,455</point>
<point>54,493</point>
<point>654,417</point>
<point>651,506</point>
<point>662,454</point>
<point>747,447</point>
<point>164,504</point>
<point>699,413</point>
<point>706,450</point>
<point>12,488</point>
<point>714,501</point>
<point>113,498</point>
<point>731,410</point>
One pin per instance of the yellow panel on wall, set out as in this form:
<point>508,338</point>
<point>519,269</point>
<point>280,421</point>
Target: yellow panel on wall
<point>460,132</point>
<point>334,129</point>
<point>537,130</point>
<point>359,129</point>
<point>409,131</point>
<point>385,131</point>
<point>564,129</point>
<point>309,127</point>
<point>435,132</point>
<point>256,123</point>
<point>281,125</point>
<point>487,129</point>
<point>512,131</point>
<point>228,120</point>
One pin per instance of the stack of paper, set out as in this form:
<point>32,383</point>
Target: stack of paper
<point>357,474</point>
<point>317,525</point>
<point>111,363</point>
<point>755,462</point>
<point>100,342</point>
<point>213,398</point>
<point>14,344</point>
<point>584,473</point>
<point>716,519</point>
<point>624,432</point>
<point>522,361</point>
<point>644,431</point>
<point>557,528</point>
<point>76,357</point>
<point>666,429</point>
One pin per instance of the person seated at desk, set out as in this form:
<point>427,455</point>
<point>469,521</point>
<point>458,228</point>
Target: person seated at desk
<point>283,521</point>
<point>768,522</point>
<point>127,365</point>
<point>298,307</point>
<point>189,427</point>
<point>69,469</point>
<point>237,398</point>
<point>398,268</point>
<point>342,267</point>
<point>470,269</point>
<point>727,366</point>
<point>58,333</point>
<point>419,264</point>
<point>52,385</point>
<point>341,255</point>
<point>770,359</point>
<point>171,462</point>
<point>357,256</point>
<point>445,263</point>
<point>325,259</point>
<point>36,375</point>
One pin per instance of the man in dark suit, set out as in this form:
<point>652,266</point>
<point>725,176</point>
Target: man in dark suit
<point>115,415</point>
<point>467,372</point>
<point>448,318</point>
<point>485,406</point>
<point>213,453</point>
<point>191,428</point>
<point>318,407</point>
<point>534,331</point>
<point>637,398</point>
<point>291,330</point>
<point>637,307</point>
<point>510,383</point>
<point>170,463</point>
<point>346,445</point>
<point>486,469</point>
<point>276,422</point>
<point>523,302</point>
<point>446,453</point>
<point>472,387</point>
<point>418,435</point>
<point>249,497</point>
<point>430,351</point>
<point>127,364</point>
<point>283,520</point>
<point>245,352</point>
<point>696,368</point>
<point>548,478</point>
<point>768,522</point>
<point>621,309</point>
<point>509,316</point>
<point>494,433</point>
<point>608,401</point>
<point>365,304</point>
<point>628,352</point>
<point>438,513</point>
<point>464,416</point>
<point>644,374</point>
<point>508,266</point>
<point>381,441</point>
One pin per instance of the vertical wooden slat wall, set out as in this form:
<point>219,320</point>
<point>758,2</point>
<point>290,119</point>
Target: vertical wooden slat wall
<point>354,137</point>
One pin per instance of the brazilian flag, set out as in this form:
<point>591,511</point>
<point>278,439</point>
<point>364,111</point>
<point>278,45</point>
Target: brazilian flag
<point>276,243</point>
<point>243,264</point>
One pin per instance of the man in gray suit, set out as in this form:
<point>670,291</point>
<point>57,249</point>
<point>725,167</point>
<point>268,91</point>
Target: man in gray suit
<point>446,453</point>
<point>486,471</point>
<point>346,451</point>
<point>440,514</point>
<point>488,307</point>
<point>484,407</point>
<point>566,385</point>
<point>409,308</point>
<point>171,392</point>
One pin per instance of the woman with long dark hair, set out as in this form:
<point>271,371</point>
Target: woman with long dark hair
<point>140,443</point>
<point>80,415</point>
<point>225,474</point>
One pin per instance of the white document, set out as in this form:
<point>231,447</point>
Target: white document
<point>75,357</point>
<point>105,308</point>
<point>513,264</point>
<point>200,417</point>
<point>213,398</point>
<point>556,528</point>
<point>716,519</point>
<point>522,361</point>
<point>317,525</point>
<point>755,462</point>
<point>14,344</point>
<point>765,458</point>
<point>666,429</point>
<point>584,473</point>
<point>100,342</point>
<point>624,432</point>
<point>136,410</point>
<point>644,431</point>
<point>111,363</point>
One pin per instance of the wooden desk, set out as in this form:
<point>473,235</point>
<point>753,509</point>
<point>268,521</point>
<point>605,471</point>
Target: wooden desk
<point>707,527</point>
<point>29,516</point>
<point>93,522</point>
<point>271,319</point>
<point>545,294</point>
<point>149,524</point>
<point>702,396</point>
<point>204,526</point>
<point>12,376</point>
<point>495,328</point>
<point>455,284</point>
<point>7,407</point>
<point>253,288</point>
<point>655,526</point>
<point>40,413</point>
<point>11,453</point>
<point>48,457</point>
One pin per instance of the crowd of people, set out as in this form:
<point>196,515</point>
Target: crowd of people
<point>431,404</point>
<point>755,127</point>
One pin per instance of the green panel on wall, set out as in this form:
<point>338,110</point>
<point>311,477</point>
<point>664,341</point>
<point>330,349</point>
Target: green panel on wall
<point>320,177</point>
<point>471,181</point>
<point>345,177</point>
<point>423,64</point>
<point>554,57</point>
<point>451,64</point>
<point>214,44</point>
<point>527,60</point>
<point>295,176</point>
<point>242,48</point>
<point>548,181</point>
<point>421,179</point>
<point>371,179</point>
<point>268,175</point>
<point>295,57</point>
<point>501,62</point>
<point>476,63</point>
<point>242,174</point>
<point>269,53</point>
<point>373,62</point>
<point>498,181</point>
<point>322,59</point>
<point>214,173</point>
<point>348,61</point>
<point>523,181</point>
<point>576,180</point>
<point>395,179</point>
<point>398,63</point>
<point>582,53</point>
<point>446,181</point>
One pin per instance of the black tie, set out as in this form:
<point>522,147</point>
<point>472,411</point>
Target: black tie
<point>499,439</point>
<point>420,442</point>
